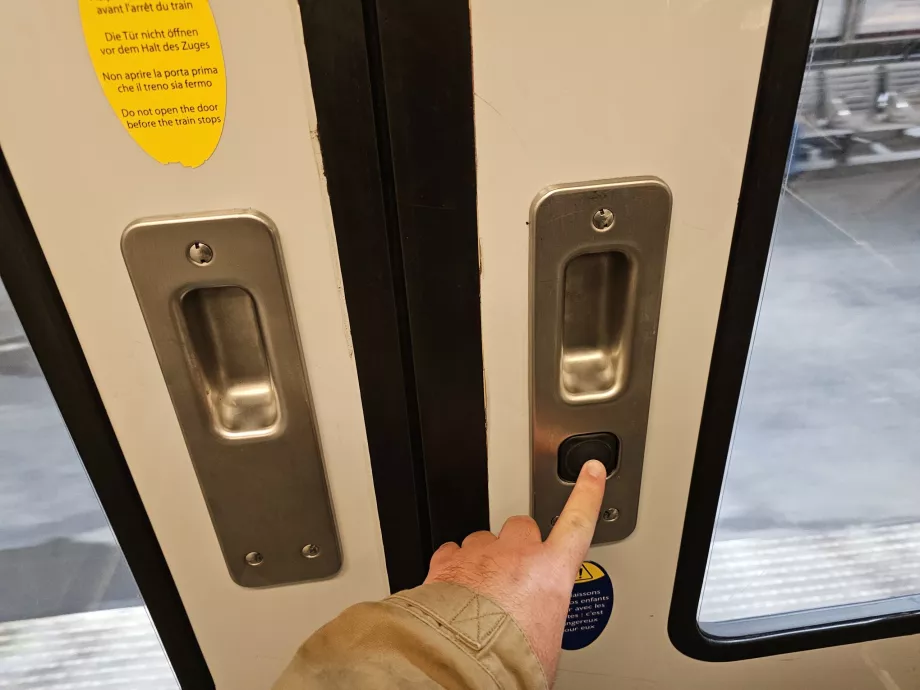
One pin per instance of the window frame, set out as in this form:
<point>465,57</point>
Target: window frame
<point>786,57</point>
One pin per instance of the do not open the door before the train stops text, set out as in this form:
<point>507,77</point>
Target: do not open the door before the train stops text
<point>160,64</point>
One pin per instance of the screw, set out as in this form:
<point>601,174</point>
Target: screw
<point>200,254</point>
<point>254,558</point>
<point>552,523</point>
<point>611,515</point>
<point>603,220</point>
<point>310,551</point>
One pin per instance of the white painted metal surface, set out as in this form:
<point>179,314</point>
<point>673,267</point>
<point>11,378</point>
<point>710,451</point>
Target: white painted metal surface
<point>593,90</point>
<point>83,180</point>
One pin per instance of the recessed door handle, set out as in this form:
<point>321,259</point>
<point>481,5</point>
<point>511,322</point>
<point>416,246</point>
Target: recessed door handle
<point>597,265</point>
<point>214,294</point>
<point>229,362</point>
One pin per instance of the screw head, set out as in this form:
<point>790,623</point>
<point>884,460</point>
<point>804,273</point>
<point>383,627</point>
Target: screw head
<point>603,219</point>
<point>611,515</point>
<point>200,254</point>
<point>254,558</point>
<point>310,551</point>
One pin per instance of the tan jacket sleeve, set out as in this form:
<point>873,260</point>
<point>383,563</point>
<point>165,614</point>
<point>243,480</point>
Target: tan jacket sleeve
<point>434,636</point>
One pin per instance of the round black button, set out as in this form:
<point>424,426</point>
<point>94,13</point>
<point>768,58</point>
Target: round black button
<point>575,451</point>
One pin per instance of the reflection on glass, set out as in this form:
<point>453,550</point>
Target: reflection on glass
<point>819,519</point>
<point>70,613</point>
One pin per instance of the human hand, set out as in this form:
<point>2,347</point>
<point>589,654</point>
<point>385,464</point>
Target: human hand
<point>531,579</point>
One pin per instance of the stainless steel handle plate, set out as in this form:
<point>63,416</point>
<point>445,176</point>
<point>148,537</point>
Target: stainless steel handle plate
<point>214,294</point>
<point>597,265</point>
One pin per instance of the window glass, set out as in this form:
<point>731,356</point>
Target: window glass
<point>889,16</point>
<point>70,613</point>
<point>819,519</point>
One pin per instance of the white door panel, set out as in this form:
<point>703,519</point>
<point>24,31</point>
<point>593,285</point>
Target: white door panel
<point>597,90</point>
<point>575,102</point>
<point>83,180</point>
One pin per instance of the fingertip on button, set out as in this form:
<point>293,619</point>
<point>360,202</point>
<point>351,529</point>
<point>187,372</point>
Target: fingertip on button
<point>595,468</point>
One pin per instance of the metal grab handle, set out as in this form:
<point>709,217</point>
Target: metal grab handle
<point>214,294</point>
<point>226,351</point>
<point>597,266</point>
<point>599,295</point>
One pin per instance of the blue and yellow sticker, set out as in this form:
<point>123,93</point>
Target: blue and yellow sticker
<point>589,607</point>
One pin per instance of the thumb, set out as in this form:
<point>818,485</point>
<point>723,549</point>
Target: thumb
<point>572,534</point>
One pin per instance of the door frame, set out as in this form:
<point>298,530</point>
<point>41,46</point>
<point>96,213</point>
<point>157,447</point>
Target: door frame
<point>403,200</point>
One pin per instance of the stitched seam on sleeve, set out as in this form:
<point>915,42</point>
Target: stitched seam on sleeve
<point>530,647</point>
<point>448,622</point>
<point>463,608</point>
<point>448,633</point>
<point>501,616</point>
<point>478,621</point>
<point>411,604</point>
<point>453,619</point>
<point>479,617</point>
<point>474,599</point>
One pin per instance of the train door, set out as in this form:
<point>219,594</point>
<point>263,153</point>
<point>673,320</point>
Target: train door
<point>698,256</point>
<point>219,382</point>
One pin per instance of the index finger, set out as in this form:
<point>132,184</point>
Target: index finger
<point>574,529</point>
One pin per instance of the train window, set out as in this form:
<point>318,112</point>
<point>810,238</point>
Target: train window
<point>819,520</point>
<point>70,613</point>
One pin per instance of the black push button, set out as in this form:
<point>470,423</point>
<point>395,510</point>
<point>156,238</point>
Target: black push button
<point>575,451</point>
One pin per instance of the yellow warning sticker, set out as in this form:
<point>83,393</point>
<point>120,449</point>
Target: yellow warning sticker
<point>588,572</point>
<point>161,68</point>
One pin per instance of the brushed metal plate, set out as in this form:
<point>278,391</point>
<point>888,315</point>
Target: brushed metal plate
<point>594,303</point>
<point>226,340</point>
